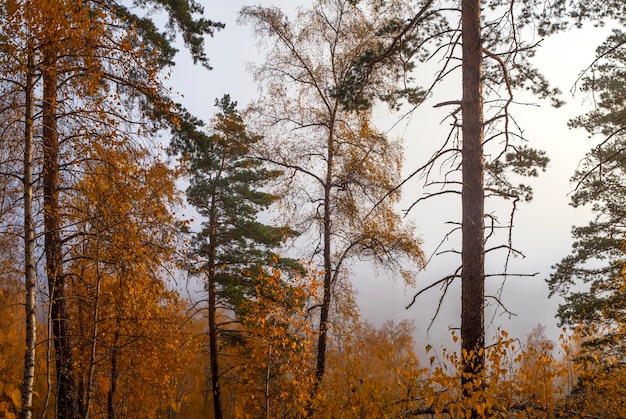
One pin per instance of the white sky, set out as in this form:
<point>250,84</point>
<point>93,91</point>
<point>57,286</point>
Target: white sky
<point>542,228</point>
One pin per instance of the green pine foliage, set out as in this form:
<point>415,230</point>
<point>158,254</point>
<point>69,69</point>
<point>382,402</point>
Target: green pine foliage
<point>184,17</point>
<point>228,190</point>
<point>597,258</point>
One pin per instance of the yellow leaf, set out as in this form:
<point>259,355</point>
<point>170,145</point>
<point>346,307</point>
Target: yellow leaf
<point>15,395</point>
<point>175,406</point>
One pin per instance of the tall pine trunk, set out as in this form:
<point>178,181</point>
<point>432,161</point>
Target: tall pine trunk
<point>29,246</point>
<point>212,291</point>
<point>67,402</point>
<point>213,349</point>
<point>473,251</point>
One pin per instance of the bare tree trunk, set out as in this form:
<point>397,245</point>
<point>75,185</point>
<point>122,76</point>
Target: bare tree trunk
<point>324,312</point>
<point>113,379</point>
<point>29,246</point>
<point>213,348</point>
<point>48,340</point>
<point>328,267</point>
<point>94,340</point>
<point>473,252</point>
<point>67,402</point>
<point>212,290</point>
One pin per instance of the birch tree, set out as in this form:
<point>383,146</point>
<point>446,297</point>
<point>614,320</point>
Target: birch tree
<point>97,67</point>
<point>18,110</point>
<point>125,319</point>
<point>29,244</point>
<point>337,165</point>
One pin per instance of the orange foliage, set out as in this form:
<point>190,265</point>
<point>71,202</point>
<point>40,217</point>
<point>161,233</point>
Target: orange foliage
<point>11,346</point>
<point>372,373</point>
<point>271,373</point>
<point>131,332</point>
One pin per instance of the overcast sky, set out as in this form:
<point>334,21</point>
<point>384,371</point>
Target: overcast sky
<point>542,228</point>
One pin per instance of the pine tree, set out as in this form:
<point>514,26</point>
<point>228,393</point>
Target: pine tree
<point>598,250</point>
<point>481,156</point>
<point>227,189</point>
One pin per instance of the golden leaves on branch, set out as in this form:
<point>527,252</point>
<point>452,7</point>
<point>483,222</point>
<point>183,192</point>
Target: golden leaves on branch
<point>273,371</point>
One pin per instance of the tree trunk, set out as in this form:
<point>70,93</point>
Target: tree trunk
<point>268,377</point>
<point>328,267</point>
<point>94,342</point>
<point>212,291</point>
<point>215,383</point>
<point>29,245</point>
<point>113,378</point>
<point>67,402</point>
<point>324,312</point>
<point>473,251</point>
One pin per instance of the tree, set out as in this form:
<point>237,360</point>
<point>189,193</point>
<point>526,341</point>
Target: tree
<point>233,247</point>
<point>591,278</point>
<point>337,165</point>
<point>538,373</point>
<point>18,26</point>
<point>597,252</point>
<point>12,88</point>
<point>494,62</point>
<point>472,199</point>
<point>75,50</point>
<point>29,244</point>
<point>272,374</point>
<point>125,319</point>
<point>373,372</point>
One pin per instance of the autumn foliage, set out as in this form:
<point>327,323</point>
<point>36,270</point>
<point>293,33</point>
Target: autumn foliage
<point>114,303</point>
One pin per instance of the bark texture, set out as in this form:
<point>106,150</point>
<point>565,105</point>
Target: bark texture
<point>473,230</point>
<point>328,265</point>
<point>212,290</point>
<point>67,401</point>
<point>29,246</point>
